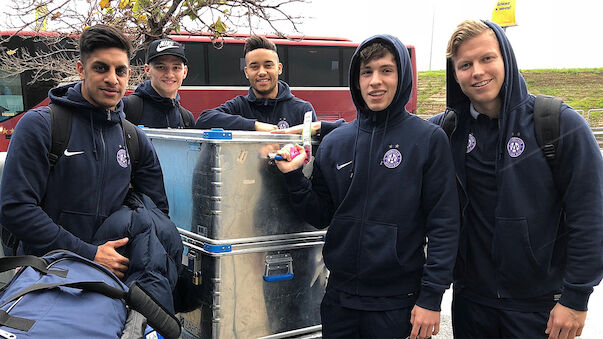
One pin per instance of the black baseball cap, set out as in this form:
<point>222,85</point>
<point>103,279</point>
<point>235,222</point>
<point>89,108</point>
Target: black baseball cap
<point>165,47</point>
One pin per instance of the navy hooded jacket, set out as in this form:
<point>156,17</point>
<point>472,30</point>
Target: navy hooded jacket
<point>242,112</point>
<point>158,112</point>
<point>383,184</point>
<point>62,207</point>
<point>548,232</point>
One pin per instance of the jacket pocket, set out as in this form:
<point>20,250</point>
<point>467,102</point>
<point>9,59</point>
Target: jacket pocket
<point>341,245</point>
<point>379,256</point>
<point>512,253</point>
<point>79,224</point>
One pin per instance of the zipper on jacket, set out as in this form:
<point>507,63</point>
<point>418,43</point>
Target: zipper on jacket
<point>366,198</point>
<point>101,174</point>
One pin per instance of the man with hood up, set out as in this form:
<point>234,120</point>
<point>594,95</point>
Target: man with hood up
<point>384,185</point>
<point>62,206</point>
<point>166,68</point>
<point>269,105</point>
<point>530,248</point>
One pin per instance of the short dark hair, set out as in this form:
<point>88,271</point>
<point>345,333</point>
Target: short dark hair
<point>256,42</point>
<point>103,36</point>
<point>375,50</point>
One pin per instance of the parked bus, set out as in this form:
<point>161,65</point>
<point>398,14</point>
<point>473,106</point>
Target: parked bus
<point>316,69</point>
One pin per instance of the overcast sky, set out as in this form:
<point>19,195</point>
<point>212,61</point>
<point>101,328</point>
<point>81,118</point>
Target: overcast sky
<point>549,34</point>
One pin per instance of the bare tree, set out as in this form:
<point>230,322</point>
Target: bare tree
<point>143,21</point>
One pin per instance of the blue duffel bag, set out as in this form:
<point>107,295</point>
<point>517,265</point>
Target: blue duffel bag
<point>63,295</point>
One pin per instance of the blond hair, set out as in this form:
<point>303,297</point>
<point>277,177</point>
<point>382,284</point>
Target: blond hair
<point>465,31</point>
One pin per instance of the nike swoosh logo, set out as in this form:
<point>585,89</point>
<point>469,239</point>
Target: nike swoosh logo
<point>68,154</point>
<point>342,165</point>
<point>163,48</point>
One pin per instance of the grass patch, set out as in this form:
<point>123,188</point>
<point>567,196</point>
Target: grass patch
<point>581,88</point>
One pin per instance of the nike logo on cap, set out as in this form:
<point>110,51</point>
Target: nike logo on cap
<point>343,165</point>
<point>163,48</point>
<point>68,154</point>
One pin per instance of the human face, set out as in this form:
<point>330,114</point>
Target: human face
<point>262,69</point>
<point>104,76</point>
<point>166,73</point>
<point>480,72</point>
<point>379,82</point>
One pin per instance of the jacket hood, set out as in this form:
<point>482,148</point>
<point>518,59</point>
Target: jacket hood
<point>513,91</point>
<point>284,93</point>
<point>405,76</point>
<point>146,91</point>
<point>70,95</point>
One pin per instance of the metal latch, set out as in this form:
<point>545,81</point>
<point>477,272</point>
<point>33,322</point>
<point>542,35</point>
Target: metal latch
<point>194,265</point>
<point>279,267</point>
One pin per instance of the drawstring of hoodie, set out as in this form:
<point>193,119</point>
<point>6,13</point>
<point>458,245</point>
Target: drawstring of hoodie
<point>92,136</point>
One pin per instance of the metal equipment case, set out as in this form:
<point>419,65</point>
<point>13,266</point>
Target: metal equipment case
<point>257,266</point>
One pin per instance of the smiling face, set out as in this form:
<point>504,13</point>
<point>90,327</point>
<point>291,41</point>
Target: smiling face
<point>262,69</point>
<point>378,82</point>
<point>104,76</point>
<point>480,72</point>
<point>166,73</point>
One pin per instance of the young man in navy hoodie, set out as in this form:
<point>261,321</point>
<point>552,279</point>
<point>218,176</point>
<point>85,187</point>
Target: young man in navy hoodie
<point>530,248</point>
<point>62,207</point>
<point>384,185</point>
<point>269,105</point>
<point>166,68</point>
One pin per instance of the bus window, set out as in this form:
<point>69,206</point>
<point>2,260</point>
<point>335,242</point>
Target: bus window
<point>314,66</point>
<point>226,65</point>
<point>348,52</point>
<point>195,53</point>
<point>11,97</point>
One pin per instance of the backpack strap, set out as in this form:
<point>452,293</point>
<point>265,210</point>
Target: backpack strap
<point>547,110</point>
<point>134,109</point>
<point>448,123</point>
<point>132,143</point>
<point>60,132</point>
<point>186,117</point>
<point>37,263</point>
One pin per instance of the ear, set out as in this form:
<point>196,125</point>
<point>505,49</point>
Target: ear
<point>147,69</point>
<point>185,71</point>
<point>80,69</point>
<point>280,68</point>
<point>245,71</point>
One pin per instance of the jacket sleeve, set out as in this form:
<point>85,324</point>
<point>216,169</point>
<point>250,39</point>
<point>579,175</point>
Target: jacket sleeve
<point>439,201</point>
<point>23,188</point>
<point>148,177</point>
<point>311,199</point>
<point>579,179</point>
<point>228,116</point>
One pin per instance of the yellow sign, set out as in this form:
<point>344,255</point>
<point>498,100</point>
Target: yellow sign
<point>504,13</point>
<point>41,14</point>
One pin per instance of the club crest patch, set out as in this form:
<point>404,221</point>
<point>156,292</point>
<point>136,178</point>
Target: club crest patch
<point>122,158</point>
<point>515,147</point>
<point>392,158</point>
<point>471,143</point>
<point>282,124</point>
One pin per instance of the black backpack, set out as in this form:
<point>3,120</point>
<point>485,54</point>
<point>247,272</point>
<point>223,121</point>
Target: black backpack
<point>136,107</point>
<point>547,110</point>
<point>60,131</point>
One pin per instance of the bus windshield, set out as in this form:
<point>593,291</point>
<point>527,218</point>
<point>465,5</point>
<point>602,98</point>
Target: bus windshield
<point>11,96</point>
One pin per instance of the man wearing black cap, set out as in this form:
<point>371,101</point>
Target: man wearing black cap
<point>155,103</point>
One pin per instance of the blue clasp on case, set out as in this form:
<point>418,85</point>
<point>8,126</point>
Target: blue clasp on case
<point>282,277</point>
<point>217,133</point>
<point>217,248</point>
